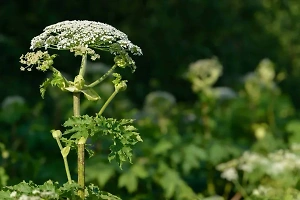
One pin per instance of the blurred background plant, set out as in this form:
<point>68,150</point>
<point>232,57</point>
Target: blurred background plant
<point>216,91</point>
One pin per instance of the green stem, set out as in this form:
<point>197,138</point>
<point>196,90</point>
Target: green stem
<point>67,170</point>
<point>102,77</point>
<point>108,101</point>
<point>76,104</point>
<point>81,143</point>
<point>80,159</point>
<point>83,65</point>
<point>210,183</point>
<point>241,189</point>
<point>65,162</point>
<point>227,190</point>
<point>59,144</point>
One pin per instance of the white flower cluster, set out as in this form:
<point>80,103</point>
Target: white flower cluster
<point>262,190</point>
<point>269,192</point>
<point>274,164</point>
<point>204,73</point>
<point>230,174</point>
<point>69,34</point>
<point>38,195</point>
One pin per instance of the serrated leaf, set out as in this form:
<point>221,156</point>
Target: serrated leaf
<point>122,133</point>
<point>69,191</point>
<point>121,153</point>
<point>48,185</point>
<point>22,187</point>
<point>44,87</point>
<point>5,195</point>
<point>57,80</point>
<point>94,191</point>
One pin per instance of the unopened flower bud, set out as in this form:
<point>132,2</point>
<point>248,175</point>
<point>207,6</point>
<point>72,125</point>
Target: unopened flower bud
<point>120,61</point>
<point>56,134</point>
<point>121,86</point>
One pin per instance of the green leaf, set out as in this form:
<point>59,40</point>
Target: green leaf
<point>192,157</point>
<point>169,181</point>
<point>3,177</point>
<point>162,147</point>
<point>22,187</point>
<point>139,170</point>
<point>129,181</point>
<point>293,126</point>
<point>5,195</point>
<point>57,80</point>
<point>217,152</point>
<point>122,133</point>
<point>44,87</point>
<point>94,193</point>
<point>96,169</point>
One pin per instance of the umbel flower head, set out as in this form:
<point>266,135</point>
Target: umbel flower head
<point>69,34</point>
<point>204,73</point>
<point>83,37</point>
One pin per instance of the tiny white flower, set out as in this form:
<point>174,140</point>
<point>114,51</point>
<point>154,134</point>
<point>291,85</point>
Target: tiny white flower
<point>13,194</point>
<point>68,34</point>
<point>24,197</point>
<point>204,73</point>
<point>261,191</point>
<point>35,192</point>
<point>230,174</point>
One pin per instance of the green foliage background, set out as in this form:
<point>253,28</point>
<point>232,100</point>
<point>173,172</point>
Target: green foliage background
<point>178,156</point>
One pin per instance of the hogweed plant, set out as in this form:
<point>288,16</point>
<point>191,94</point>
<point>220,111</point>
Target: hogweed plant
<point>83,38</point>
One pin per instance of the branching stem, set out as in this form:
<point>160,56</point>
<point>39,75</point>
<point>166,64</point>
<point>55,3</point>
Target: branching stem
<point>83,65</point>
<point>76,112</point>
<point>108,101</point>
<point>103,77</point>
<point>65,162</point>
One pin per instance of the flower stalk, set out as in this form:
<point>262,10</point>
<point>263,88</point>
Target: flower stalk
<point>81,38</point>
<point>102,77</point>
<point>80,151</point>
<point>56,135</point>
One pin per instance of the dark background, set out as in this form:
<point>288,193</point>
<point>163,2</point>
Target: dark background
<point>171,33</point>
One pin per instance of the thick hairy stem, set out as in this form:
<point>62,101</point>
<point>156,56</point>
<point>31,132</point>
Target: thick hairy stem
<point>82,140</point>
<point>76,104</point>
<point>80,159</point>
